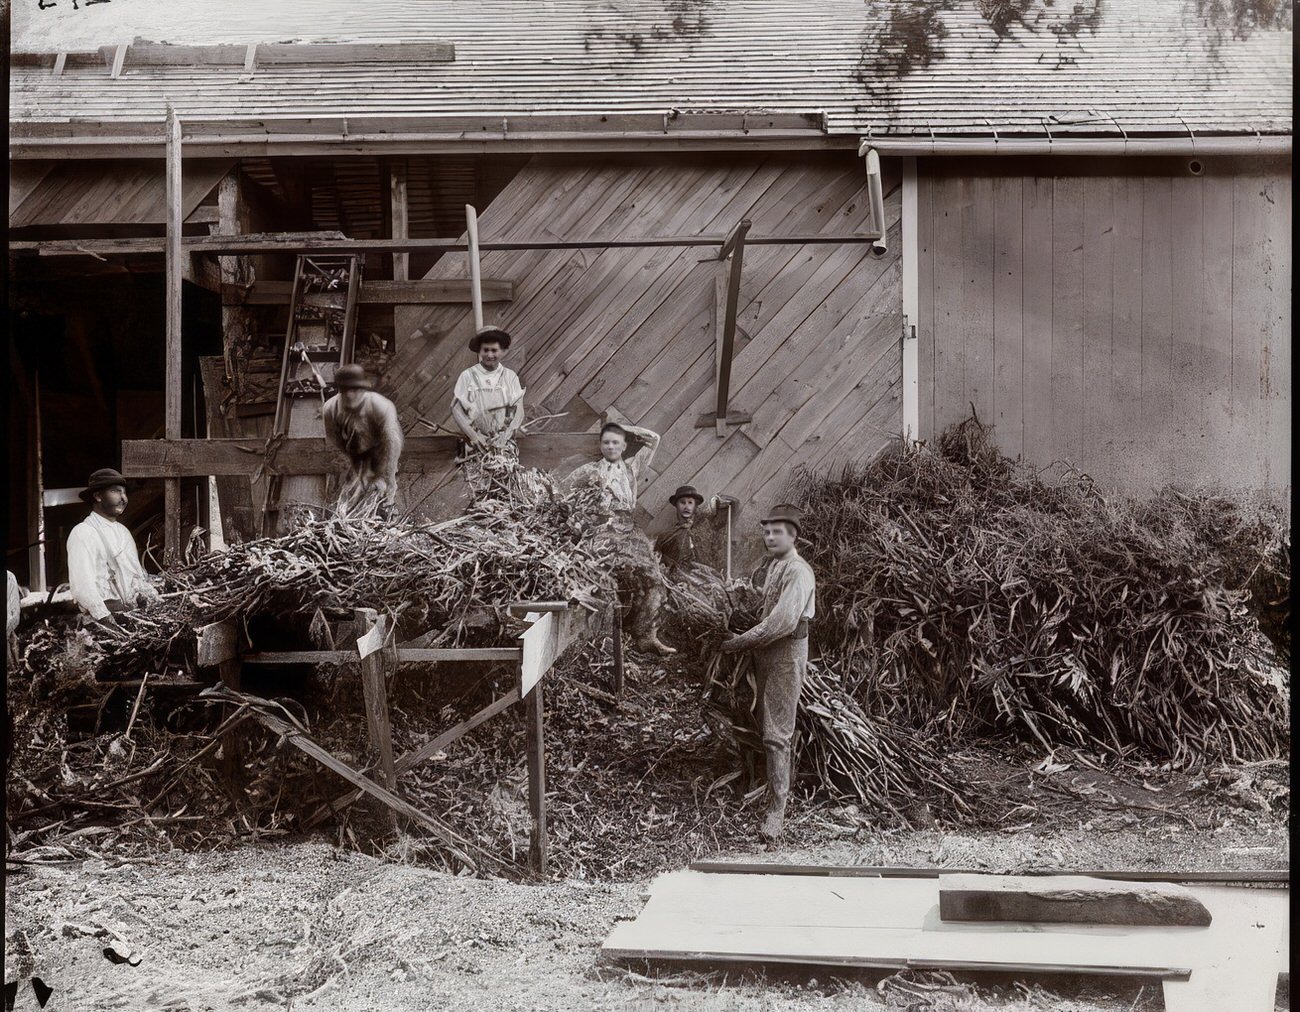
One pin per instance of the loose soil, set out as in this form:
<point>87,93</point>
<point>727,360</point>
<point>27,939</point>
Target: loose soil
<point>243,912</point>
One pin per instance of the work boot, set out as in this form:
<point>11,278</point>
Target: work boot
<point>778,784</point>
<point>652,644</point>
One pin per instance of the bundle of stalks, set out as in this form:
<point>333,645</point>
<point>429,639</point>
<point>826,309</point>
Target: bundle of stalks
<point>973,594</point>
<point>840,749</point>
<point>537,545</point>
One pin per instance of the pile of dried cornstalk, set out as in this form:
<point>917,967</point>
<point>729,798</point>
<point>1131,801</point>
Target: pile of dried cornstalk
<point>452,579</point>
<point>965,594</point>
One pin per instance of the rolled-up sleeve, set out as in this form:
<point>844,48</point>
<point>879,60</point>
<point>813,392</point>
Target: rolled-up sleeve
<point>84,566</point>
<point>796,587</point>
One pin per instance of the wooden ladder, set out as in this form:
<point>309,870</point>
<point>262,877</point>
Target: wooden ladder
<point>320,337</point>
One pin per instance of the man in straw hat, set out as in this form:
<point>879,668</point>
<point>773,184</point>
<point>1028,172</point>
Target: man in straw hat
<point>488,402</point>
<point>365,427</point>
<point>779,643</point>
<point>104,571</point>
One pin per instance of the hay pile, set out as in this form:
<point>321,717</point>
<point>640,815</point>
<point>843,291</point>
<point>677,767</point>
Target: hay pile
<point>528,542</point>
<point>964,594</point>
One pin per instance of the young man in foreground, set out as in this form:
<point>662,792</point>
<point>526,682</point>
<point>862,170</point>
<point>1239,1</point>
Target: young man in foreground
<point>104,571</point>
<point>779,643</point>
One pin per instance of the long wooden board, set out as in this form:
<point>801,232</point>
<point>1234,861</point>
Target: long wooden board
<point>894,924</point>
<point>181,458</point>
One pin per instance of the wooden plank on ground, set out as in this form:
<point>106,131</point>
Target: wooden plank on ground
<point>1280,876</point>
<point>864,922</point>
<point>1068,899</point>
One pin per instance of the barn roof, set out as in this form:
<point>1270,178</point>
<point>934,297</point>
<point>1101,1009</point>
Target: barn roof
<point>843,67</point>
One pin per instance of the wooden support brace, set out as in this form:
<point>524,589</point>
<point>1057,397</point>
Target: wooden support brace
<point>370,629</point>
<point>475,280</point>
<point>398,211</point>
<point>175,273</point>
<point>727,295</point>
<point>424,753</point>
<point>218,646</point>
<point>617,637</point>
<point>536,781</point>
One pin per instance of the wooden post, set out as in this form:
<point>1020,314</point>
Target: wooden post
<point>536,779</point>
<point>231,674</point>
<point>617,638</point>
<point>475,284</point>
<point>175,273</point>
<point>399,223</point>
<point>369,629</point>
<point>728,542</point>
<point>36,494</point>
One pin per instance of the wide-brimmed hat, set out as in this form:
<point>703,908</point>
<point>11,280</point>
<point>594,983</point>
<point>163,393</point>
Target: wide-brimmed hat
<point>489,334</point>
<point>686,492</point>
<point>786,513</point>
<point>105,477</point>
<point>351,377</point>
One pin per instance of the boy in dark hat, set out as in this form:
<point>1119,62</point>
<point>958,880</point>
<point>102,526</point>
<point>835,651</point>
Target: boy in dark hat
<point>104,571</point>
<point>488,402</point>
<point>365,427</point>
<point>779,643</point>
<point>677,546</point>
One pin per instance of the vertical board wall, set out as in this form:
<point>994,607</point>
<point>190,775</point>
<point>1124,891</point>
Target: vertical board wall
<point>1127,316</point>
<point>817,358</point>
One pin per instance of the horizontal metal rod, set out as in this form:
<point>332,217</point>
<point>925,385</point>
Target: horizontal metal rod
<point>231,246</point>
<point>1178,147</point>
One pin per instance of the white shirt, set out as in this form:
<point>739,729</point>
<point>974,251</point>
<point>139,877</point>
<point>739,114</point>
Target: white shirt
<point>617,478</point>
<point>485,395</point>
<point>104,564</point>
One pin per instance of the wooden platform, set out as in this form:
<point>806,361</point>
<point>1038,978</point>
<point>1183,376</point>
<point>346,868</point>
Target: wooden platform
<point>893,923</point>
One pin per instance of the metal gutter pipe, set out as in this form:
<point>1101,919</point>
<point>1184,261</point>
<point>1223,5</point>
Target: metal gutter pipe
<point>1273,145</point>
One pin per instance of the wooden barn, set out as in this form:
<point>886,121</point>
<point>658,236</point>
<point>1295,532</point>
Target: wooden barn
<point>1083,234</point>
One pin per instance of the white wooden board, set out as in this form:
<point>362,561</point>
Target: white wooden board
<point>895,923</point>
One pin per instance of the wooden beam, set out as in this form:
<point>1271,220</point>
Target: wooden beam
<point>292,242</point>
<point>204,214</point>
<point>424,292</point>
<point>277,53</point>
<point>1278,877</point>
<point>35,487</point>
<point>425,752</point>
<point>404,655</point>
<point>533,723</point>
<point>182,458</point>
<point>475,291</point>
<point>174,275</point>
<point>458,846</point>
<point>735,244</point>
<point>399,216</point>
<point>369,625</point>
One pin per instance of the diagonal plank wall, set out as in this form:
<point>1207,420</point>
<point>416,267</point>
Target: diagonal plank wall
<point>817,361</point>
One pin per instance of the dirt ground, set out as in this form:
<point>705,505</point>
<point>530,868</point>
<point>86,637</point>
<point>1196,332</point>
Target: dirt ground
<point>232,908</point>
<point>304,925</point>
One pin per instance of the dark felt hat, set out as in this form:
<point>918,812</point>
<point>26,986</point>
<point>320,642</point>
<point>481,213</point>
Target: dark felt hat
<point>351,377</point>
<point>686,492</point>
<point>489,334</point>
<point>105,477</point>
<point>786,513</point>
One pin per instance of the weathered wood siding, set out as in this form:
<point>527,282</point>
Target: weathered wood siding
<point>1137,325</point>
<point>817,361</point>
